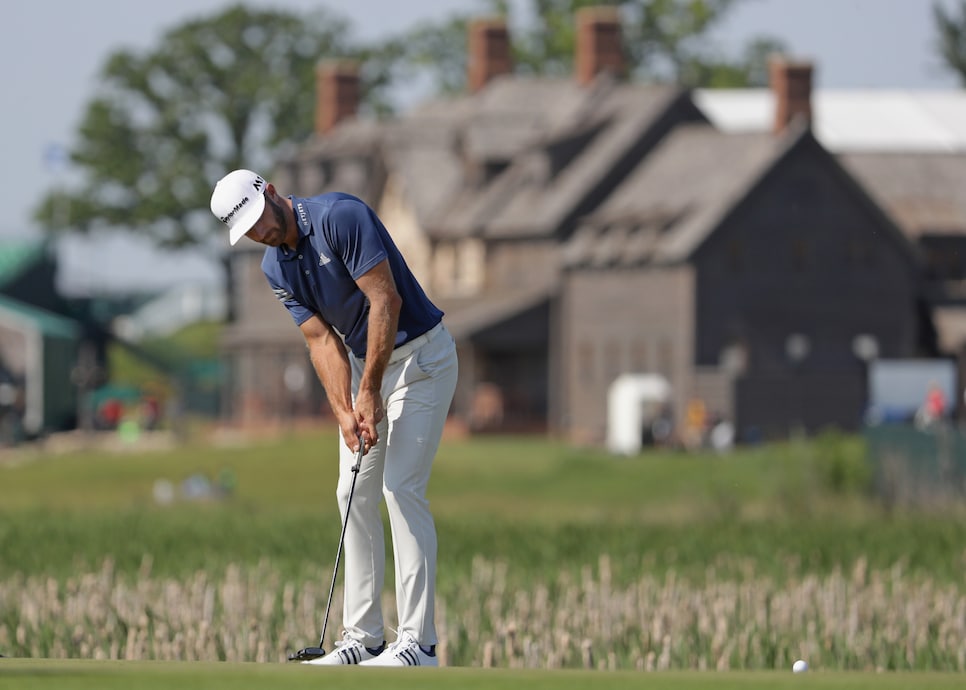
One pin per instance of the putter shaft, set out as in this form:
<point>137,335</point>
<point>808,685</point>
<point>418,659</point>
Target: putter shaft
<point>338,554</point>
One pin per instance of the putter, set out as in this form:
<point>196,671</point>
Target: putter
<point>309,653</point>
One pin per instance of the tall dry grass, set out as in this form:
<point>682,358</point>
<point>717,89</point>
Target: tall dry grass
<point>863,619</point>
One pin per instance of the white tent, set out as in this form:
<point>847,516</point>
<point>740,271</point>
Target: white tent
<point>632,401</point>
<point>853,120</point>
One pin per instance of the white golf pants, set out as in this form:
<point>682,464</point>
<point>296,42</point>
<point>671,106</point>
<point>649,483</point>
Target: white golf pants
<point>417,390</point>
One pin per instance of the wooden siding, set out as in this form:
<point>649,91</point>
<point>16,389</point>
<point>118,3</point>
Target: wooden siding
<point>521,264</point>
<point>623,321</point>
<point>803,255</point>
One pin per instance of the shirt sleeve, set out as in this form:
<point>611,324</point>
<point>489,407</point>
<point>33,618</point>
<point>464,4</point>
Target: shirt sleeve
<point>354,234</point>
<point>299,313</point>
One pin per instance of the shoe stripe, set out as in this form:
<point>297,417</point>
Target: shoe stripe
<point>410,657</point>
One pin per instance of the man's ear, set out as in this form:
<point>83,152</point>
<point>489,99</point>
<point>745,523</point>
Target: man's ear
<point>270,189</point>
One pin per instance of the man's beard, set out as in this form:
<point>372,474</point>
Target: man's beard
<point>279,214</point>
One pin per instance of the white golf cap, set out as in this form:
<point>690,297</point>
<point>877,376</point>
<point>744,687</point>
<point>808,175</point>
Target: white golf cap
<point>238,202</point>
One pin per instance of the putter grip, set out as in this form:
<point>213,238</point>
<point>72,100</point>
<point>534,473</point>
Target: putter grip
<point>359,454</point>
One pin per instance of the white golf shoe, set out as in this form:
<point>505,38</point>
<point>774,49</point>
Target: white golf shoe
<point>405,651</point>
<point>348,652</point>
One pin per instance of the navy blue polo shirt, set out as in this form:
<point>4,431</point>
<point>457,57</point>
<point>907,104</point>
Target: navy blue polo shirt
<point>341,239</point>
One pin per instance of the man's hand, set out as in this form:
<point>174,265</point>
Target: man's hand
<point>349,427</point>
<point>368,413</point>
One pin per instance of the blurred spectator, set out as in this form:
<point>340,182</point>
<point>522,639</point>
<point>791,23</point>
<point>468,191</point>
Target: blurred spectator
<point>722,435</point>
<point>487,409</point>
<point>150,413</point>
<point>933,408</point>
<point>695,424</point>
<point>109,414</point>
<point>658,428</point>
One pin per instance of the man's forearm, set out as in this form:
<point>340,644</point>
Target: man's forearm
<point>332,367</point>
<point>383,324</point>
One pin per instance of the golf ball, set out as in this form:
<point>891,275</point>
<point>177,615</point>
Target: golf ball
<point>800,666</point>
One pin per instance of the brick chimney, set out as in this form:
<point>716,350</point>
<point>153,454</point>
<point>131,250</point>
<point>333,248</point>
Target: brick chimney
<point>599,45</point>
<point>337,93</point>
<point>489,52</point>
<point>791,84</point>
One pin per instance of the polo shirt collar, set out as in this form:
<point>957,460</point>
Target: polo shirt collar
<point>304,225</point>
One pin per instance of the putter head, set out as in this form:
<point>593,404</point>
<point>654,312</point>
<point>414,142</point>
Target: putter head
<point>306,654</point>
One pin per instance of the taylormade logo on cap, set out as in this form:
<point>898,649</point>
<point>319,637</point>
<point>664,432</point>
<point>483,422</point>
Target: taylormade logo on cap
<point>238,202</point>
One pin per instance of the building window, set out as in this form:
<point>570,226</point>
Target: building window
<point>352,173</point>
<point>943,261</point>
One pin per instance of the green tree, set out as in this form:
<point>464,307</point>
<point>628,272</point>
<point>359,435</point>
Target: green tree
<point>952,37</point>
<point>665,40</point>
<point>436,49</point>
<point>217,93</point>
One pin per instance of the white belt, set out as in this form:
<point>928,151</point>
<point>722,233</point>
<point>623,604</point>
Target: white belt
<point>406,349</point>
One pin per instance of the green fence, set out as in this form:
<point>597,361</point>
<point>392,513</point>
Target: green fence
<point>918,467</point>
<point>201,387</point>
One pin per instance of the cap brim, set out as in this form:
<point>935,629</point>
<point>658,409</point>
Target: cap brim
<point>246,220</point>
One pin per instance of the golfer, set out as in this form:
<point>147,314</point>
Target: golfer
<point>388,366</point>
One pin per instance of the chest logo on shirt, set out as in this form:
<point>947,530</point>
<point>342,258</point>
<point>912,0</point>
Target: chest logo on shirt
<point>323,259</point>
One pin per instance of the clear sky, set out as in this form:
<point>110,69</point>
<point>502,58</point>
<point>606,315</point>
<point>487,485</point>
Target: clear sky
<point>53,50</point>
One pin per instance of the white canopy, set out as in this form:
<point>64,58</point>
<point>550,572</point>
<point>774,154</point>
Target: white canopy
<point>847,120</point>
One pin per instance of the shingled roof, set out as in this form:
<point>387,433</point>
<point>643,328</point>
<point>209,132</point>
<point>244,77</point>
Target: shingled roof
<point>330,163</point>
<point>608,128</point>
<point>922,191</point>
<point>675,198</point>
<point>665,210</point>
<point>440,150</point>
<point>466,316</point>
<point>906,147</point>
